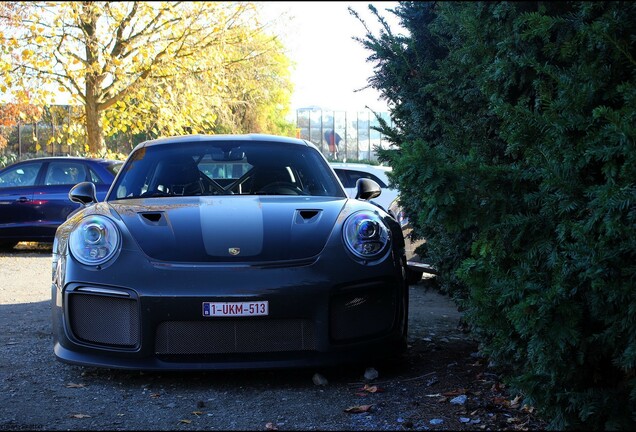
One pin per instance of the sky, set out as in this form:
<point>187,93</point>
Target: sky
<point>329,65</point>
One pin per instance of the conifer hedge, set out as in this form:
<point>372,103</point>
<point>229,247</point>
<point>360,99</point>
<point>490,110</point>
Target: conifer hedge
<point>515,154</point>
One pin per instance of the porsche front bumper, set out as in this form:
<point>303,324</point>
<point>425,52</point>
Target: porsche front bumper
<point>146,315</point>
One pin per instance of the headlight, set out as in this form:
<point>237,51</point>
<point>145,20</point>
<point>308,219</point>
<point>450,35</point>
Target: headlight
<point>366,235</point>
<point>94,240</point>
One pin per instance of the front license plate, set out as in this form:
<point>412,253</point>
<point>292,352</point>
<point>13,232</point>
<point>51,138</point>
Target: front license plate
<point>255,308</point>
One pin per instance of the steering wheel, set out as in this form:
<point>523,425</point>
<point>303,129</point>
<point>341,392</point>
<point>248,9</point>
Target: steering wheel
<point>189,189</point>
<point>281,188</point>
<point>154,193</point>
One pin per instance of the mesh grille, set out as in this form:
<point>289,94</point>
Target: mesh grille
<point>234,336</point>
<point>104,320</point>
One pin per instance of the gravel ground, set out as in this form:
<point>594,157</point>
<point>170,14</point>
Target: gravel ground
<point>441,384</point>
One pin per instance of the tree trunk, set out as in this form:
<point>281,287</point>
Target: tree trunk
<point>94,130</point>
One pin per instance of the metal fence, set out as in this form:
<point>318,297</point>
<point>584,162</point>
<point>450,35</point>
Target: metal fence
<point>358,139</point>
<point>36,139</point>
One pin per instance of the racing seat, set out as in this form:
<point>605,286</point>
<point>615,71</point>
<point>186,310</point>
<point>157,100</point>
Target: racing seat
<point>177,176</point>
<point>265,176</point>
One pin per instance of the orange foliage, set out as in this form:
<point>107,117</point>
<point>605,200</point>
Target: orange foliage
<point>13,113</point>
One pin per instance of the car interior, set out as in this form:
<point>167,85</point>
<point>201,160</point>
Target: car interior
<point>254,171</point>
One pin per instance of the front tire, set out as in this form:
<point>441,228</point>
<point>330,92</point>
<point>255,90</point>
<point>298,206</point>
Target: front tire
<point>413,276</point>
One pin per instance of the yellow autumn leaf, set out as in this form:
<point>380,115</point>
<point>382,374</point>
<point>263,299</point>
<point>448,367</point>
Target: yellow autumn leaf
<point>358,409</point>
<point>164,99</point>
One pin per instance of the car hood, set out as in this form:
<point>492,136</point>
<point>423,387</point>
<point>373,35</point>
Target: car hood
<point>230,229</point>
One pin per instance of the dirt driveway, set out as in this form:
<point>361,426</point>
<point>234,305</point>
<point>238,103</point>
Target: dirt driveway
<point>440,385</point>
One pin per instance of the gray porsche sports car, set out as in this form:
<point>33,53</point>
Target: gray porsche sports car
<point>227,252</point>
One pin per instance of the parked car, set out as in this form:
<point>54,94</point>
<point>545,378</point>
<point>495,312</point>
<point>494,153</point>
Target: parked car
<point>228,252</point>
<point>416,267</point>
<point>349,173</point>
<point>34,194</point>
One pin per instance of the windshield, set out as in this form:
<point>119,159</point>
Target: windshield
<point>225,168</point>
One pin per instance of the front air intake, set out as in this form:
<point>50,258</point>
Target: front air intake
<point>104,320</point>
<point>234,336</point>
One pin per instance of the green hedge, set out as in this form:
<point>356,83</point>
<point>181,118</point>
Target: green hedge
<point>514,123</point>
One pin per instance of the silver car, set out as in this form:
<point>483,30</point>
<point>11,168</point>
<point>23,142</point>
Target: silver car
<point>349,173</point>
<point>415,265</point>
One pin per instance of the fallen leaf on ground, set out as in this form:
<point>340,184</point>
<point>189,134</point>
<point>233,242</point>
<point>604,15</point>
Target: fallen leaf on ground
<point>270,426</point>
<point>516,402</point>
<point>358,409</point>
<point>73,385</point>
<point>185,421</point>
<point>497,387</point>
<point>371,389</point>
<point>528,409</point>
<point>155,395</point>
<point>498,400</point>
<point>80,416</point>
<point>197,413</point>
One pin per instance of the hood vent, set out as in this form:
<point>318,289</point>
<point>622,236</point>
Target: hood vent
<point>307,216</point>
<point>154,218</point>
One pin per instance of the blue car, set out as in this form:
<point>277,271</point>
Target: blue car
<point>34,194</point>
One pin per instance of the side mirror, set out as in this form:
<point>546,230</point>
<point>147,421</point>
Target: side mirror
<point>367,189</point>
<point>83,193</point>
